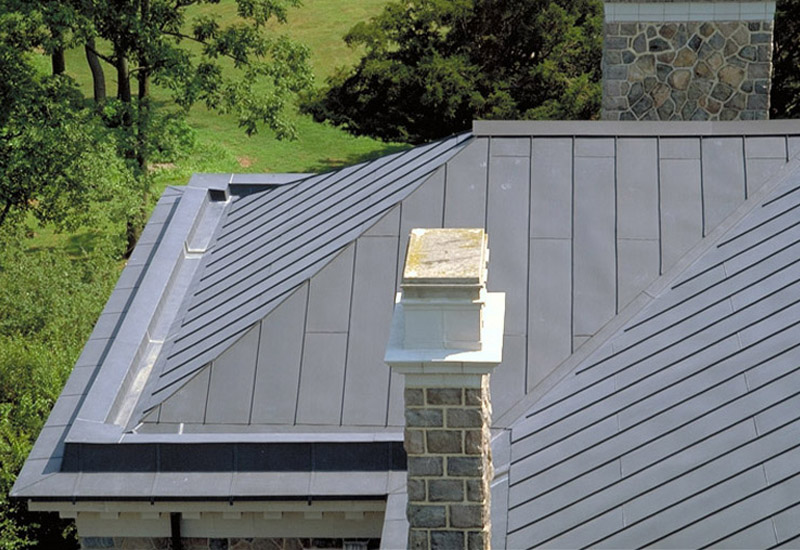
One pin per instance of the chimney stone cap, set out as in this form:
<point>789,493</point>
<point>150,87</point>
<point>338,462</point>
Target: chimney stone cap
<point>443,361</point>
<point>446,257</point>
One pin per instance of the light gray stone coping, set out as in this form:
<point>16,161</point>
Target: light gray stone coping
<point>688,11</point>
<point>538,128</point>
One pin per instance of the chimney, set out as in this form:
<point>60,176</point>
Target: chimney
<point>665,60</point>
<point>446,337</point>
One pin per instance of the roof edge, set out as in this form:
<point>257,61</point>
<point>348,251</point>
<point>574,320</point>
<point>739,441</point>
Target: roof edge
<point>515,128</point>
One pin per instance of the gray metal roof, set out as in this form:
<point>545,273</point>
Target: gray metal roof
<point>264,320</point>
<point>579,224</point>
<point>682,430</point>
<point>271,242</point>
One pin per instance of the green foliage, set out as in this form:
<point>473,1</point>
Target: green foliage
<point>48,304</point>
<point>55,159</point>
<point>785,93</point>
<point>433,66</point>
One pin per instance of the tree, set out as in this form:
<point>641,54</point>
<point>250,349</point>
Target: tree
<point>432,66</point>
<point>785,93</point>
<point>55,160</point>
<point>148,43</point>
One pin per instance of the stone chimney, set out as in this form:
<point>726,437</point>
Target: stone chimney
<point>665,60</point>
<point>447,336</point>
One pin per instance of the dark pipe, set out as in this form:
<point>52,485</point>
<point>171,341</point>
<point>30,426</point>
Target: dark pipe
<point>175,527</point>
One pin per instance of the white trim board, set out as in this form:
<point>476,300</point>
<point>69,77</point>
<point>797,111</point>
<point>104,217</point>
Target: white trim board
<point>616,12</point>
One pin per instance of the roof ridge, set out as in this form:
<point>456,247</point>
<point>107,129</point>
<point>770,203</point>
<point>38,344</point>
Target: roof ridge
<point>663,283</point>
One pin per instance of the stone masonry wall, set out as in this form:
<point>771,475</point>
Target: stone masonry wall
<point>687,71</point>
<point>147,543</point>
<point>447,440</point>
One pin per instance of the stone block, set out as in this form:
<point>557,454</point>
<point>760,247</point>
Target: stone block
<point>758,70</point>
<point>445,490</point>
<point>418,539</point>
<point>666,110</point>
<point>658,45</point>
<point>737,102</point>
<point>721,92</point>
<point>414,397</point>
<point>464,466</point>
<point>424,418</point>
<point>706,29</point>
<point>741,36</point>
<point>717,41</point>
<point>447,540</point>
<point>679,79</point>
<point>640,43</point>
<point>757,102</point>
<point>642,106</point>
<point>464,418</point>
<point>444,396</point>
<point>727,28</point>
<point>473,397</point>
<point>416,490</point>
<point>476,490</point>
<point>730,48</point>
<point>445,441</point>
<point>615,72</point>
<point>761,37</point>
<point>473,442</point>
<point>420,515</point>
<point>217,544</point>
<point>685,58</point>
<point>425,466</point>
<point>414,442</point>
<point>466,515</point>
<point>668,30</point>
<point>615,43</point>
<point>477,540</point>
<point>748,53</point>
<point>732,76</point>
<point>715,61</point>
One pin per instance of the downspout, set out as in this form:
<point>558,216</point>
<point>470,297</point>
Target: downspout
<point>175,529</point>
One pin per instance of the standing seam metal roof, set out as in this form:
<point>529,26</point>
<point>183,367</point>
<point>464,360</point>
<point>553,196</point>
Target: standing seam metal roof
<point>683,430</point>
<point>269,243</point>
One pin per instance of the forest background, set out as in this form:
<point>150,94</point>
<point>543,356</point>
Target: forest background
<point>234,86</point>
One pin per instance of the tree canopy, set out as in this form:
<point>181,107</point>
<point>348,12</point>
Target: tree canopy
<point>432,66</point>
<point>785,92</point>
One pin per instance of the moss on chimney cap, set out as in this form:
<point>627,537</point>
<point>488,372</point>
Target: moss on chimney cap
<point>446,257</point>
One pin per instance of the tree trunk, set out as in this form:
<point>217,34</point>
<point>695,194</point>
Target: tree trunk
<point>123,79</point>
<point>98,77</point>
<point>59,62</point>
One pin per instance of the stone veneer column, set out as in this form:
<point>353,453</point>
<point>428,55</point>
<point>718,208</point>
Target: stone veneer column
<point>687,60</point>
<point>446,337</point>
